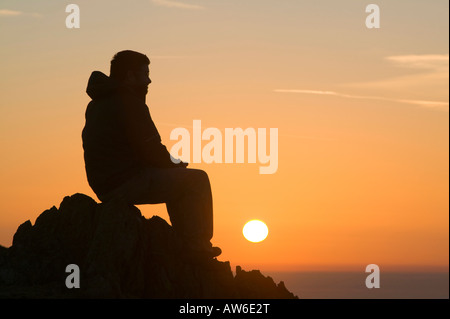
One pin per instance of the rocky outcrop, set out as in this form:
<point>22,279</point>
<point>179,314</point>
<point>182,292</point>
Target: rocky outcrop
<point>120,254</point>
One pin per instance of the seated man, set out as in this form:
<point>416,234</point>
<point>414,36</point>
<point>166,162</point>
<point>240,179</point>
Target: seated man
<point>125,159</point>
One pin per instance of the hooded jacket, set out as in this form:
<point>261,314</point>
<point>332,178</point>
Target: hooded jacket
<point>119,136</point>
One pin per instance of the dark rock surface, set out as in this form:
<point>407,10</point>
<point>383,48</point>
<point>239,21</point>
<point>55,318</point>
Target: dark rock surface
<point>120,254</point>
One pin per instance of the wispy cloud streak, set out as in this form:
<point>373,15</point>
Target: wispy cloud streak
<point>430,78</point>
<point>9,13</point>
<point>177,4</point>
<point>422,103</point>
<point>14,13</point>
<point>438,62</point>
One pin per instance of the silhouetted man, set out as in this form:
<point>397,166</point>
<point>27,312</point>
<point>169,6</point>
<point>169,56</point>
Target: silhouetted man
<point>125,159</point>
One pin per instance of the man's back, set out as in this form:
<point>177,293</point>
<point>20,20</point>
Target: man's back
<point>119,138</point>
<point>108,154</point>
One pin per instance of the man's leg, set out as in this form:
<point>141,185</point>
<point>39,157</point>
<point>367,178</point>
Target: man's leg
<point>188,197</point>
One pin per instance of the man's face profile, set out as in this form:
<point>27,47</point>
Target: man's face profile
<point>139,79</point>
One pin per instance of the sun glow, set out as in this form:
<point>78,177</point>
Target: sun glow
<point>255,231</point>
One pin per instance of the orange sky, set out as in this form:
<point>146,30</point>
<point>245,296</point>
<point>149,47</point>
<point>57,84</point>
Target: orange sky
<point>362,118</point>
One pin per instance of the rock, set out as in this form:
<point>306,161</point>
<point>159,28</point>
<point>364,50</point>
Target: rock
<point>120,254</point>
<point>253,285</point>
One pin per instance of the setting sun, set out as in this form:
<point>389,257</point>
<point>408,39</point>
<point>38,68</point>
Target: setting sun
<point>255,231</point>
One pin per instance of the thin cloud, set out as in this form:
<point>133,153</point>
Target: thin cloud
<point>9,13</point>
<point>436,62</point>
<point>431,77</point>
<point>177,4</point>
<point>422,103</point>
<point>14,13</point>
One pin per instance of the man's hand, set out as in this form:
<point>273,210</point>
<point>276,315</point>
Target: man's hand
<point>178,162</point>
<point>183,164</point>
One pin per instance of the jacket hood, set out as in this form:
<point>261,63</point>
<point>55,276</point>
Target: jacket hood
<point>100,85</point>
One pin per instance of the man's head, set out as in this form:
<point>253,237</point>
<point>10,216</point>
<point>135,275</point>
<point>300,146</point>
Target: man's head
<point>131,68</point>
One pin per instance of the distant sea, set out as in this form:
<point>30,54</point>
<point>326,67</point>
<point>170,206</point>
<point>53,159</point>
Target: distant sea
<point>351,285</point>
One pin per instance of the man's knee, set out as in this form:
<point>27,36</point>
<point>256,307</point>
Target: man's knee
<point>203,176</point>
<point>199,177</point>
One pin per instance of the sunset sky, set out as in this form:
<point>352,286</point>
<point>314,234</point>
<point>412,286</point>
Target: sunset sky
<point>362,117</point>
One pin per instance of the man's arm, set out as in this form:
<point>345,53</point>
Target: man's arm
<point>144,137</point>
